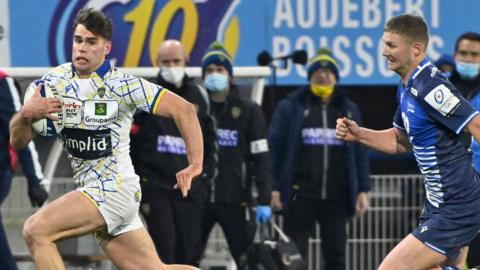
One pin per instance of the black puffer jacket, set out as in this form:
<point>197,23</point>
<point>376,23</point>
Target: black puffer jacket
<point>243,151</point>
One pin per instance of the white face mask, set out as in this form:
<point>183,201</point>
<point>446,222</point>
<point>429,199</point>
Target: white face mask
<point>173,75</point>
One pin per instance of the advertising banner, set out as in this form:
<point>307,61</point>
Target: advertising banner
<point>38,33</point>
<point>4,35</point>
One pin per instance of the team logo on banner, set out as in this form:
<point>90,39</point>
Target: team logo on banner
<point>141,25</point>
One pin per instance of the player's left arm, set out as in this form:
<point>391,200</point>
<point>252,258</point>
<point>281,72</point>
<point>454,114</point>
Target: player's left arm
<point>185,116</point>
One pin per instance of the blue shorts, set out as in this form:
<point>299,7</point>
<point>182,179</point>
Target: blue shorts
<point>447,235</point>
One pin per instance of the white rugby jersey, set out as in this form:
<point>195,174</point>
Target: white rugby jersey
<point>98,115</point>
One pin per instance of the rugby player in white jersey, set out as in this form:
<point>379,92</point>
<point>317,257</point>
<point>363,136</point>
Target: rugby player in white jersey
<point>100,102</point>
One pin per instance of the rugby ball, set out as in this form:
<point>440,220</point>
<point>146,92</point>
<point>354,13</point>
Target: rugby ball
<point>46,127</point>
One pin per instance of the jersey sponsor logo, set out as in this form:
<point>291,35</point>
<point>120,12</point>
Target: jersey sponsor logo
<point>171,144</point>
<point>320,136</point>
<point>98,113</point>
<point>72,110</point>
<point>259,146</point>
<point>227,137</point>
<point>442,100</point>
<point>101,108</point>
<point>87,144</point>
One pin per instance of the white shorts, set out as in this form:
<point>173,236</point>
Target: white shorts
<point>119,206</point>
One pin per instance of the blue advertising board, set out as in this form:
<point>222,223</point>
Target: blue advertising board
<point>38,33</point>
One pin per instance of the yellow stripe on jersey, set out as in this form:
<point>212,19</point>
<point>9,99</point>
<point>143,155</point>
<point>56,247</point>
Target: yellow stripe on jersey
<point>160,95</point>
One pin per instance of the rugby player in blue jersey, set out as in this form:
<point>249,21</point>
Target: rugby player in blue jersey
<point>431,113</point>
<point>101,101</point>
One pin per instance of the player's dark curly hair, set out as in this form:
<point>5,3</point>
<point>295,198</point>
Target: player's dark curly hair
<point>94,21</point>
<point>410,26</point>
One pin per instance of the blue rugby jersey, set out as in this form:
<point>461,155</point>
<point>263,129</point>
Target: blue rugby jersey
<point>433,113</point>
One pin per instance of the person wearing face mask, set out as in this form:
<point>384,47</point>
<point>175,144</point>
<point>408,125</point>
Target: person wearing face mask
<point>243,159</point>
<point>318,178</point>
<point>158,152</point>
<point>466,78</point>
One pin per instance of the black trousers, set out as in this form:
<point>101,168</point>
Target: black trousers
<point>238,224</point>
<point>300,218</point>
<point>174,224</point>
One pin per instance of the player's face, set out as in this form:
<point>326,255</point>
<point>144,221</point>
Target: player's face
<point>88,51</point>
<point>468,51</point>
<point>398,52</point>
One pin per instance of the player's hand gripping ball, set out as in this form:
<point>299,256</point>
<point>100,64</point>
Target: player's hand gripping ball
<point>44,126</point>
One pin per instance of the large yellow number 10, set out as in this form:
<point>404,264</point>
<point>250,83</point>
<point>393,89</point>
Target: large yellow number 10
<point>140,17</point>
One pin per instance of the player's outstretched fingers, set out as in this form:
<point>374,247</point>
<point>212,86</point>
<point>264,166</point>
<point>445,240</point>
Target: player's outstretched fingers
<point>183,182</point>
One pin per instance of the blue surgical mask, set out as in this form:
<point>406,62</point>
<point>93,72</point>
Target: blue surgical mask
<point>216,82</point>
<point>467,70</point>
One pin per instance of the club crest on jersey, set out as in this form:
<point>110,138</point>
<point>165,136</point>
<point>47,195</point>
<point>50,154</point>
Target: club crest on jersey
<point>101,92</point>
<point>236,112</point>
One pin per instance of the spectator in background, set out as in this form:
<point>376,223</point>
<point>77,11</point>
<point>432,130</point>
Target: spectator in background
<point>243,158</point>
<point>318,177</point>
<point>446,64</point>
<point>158,153</point>
<point>9,105</point>
<point>466,78</point>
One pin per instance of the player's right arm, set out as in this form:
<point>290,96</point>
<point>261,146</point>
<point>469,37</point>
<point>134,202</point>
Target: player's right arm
<point>37,107</point>
<point>390,141</point>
